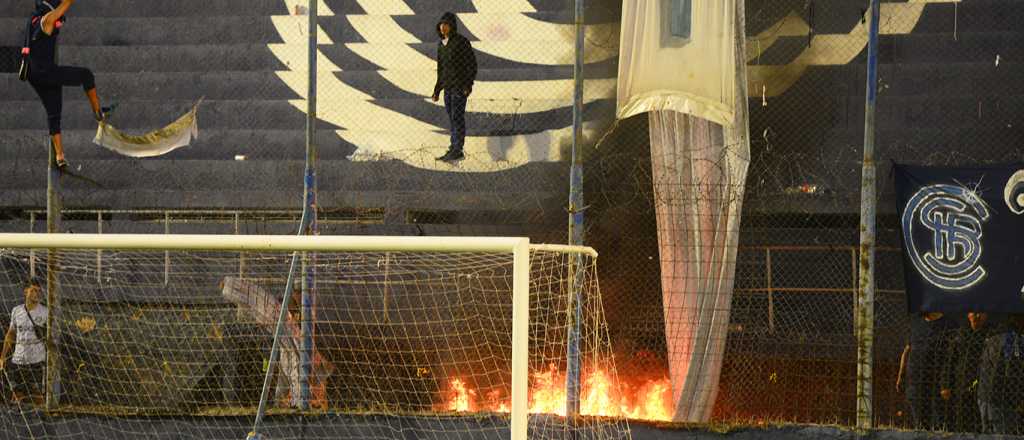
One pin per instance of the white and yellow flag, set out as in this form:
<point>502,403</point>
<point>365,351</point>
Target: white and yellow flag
<point>155,143</point>
<point>678,55</point>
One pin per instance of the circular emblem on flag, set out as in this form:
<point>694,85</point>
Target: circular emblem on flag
<point>942,229</point>
<point>1013,193</point>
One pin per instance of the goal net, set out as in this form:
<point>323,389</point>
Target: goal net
<point>381,338</point>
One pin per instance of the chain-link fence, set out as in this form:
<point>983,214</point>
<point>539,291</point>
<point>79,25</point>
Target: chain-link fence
<point>791,354</point>
<point>947,96</point>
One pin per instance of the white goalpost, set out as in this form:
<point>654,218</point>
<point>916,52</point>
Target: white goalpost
<point>441,337</point>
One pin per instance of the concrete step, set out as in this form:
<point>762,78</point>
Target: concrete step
<point>278,57</point>
<point>150,115</point>
<point>284,174</point>
<point>973,16</point>
<point>133,198</point>
<point>906,79</point>
<point>148,183</point>
<point>894,113</point>
<point>194,58</point>
<point>212,144</point>
<point>145,86</point>
<point>979,47</point>
<point>177,8</point>
<point>212,29</point>
<point>492,84</point>
<point>155,31</point>
<point>478,26</point>
<point>189,8</point>
<point>488,118</point>
<point>841,16</point>
<point>436,7</point>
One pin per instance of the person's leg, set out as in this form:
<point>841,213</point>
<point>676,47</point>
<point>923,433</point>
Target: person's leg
<point>916,407</point>
<point>1000,419</point>
<point>449,109</point>
<point>52,97</point>
<point>36,382</point>
<point>986,422</point>
<point>69,76</point>
<point>458,121</point>
<point>19,382</point>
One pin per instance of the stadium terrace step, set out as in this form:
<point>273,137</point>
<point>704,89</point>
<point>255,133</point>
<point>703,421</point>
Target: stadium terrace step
<point>436,7</point>
<point>511,116</point>
<point>176,8</point>
<point>155,31</point>
<point>379,177</point>
<point>498,85</point>
<point>193,8</point>
<point>193,58</point>
<point>276,57</point>
<point>160,86</point>
<point>200,30</point>
<point>913,49</point>
<point>150,115</point>
<point>939,80</point>
<point>935,16</point>
<point>212,144</point>
<point>191,184</point>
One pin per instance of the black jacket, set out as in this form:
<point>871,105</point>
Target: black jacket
<point>456,63</point>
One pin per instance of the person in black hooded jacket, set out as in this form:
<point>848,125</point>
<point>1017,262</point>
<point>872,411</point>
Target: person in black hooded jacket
<point>456,71</point>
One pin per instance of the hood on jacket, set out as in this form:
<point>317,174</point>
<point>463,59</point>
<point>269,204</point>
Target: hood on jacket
<point>449,18</point>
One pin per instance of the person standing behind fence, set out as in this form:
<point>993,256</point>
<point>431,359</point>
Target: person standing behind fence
<point>27,334</point>
<point>921,362</point>
<point>1001,380</point>
<point>456,72</point>
<point>960,376</point>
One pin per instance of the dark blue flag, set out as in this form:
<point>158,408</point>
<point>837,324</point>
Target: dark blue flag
<point>963,237</point>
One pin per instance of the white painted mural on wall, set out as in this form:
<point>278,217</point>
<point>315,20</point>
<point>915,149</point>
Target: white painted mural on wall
<point>503,30</point>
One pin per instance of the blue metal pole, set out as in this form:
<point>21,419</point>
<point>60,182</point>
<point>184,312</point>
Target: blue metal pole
<point>306,349</point>
<point>308,218</point>
<point>865,312</point>
<point>572,401</point>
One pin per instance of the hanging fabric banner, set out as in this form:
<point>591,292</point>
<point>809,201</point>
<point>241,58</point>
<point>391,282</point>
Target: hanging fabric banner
<point>961,237</point>
<point>699,173</point>
<point>678,63</point>
<point>678,55</point>
<point>176,135</point>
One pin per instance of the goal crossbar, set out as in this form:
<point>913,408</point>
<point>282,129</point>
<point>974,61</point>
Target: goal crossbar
<point>261,243</point>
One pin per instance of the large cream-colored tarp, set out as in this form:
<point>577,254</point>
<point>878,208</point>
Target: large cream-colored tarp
<point>699,170</point>
<point>658,71</point>
<point>696,101</point>
<point>155,143</point>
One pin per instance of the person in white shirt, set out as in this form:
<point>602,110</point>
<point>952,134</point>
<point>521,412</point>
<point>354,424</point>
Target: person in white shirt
<point>27,335</point>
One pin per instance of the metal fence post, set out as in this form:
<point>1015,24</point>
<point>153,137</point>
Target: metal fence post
<point>865,305</point>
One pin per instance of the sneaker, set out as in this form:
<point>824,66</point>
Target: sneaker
<point>61,164</point>
<point>444,156</point>
<point>104,113</point>
<point>453,156</point>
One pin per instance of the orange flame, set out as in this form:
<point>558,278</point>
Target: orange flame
<point>462,397</point>
<point>601,396</point>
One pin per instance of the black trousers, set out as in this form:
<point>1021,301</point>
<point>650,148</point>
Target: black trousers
<point>27,379</point>
<point>49,85</point>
